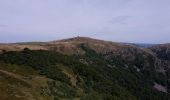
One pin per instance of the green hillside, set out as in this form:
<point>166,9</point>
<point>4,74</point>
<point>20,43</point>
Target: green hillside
<point>48,75</point>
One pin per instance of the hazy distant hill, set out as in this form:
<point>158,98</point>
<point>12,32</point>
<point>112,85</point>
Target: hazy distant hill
<point>144,45</point>
<point>83,68</point>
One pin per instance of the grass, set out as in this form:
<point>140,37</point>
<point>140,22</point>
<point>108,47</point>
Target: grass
<point>22,83</point>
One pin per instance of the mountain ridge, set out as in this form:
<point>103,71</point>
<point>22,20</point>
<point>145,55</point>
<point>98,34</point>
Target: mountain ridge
<point>83,68</point>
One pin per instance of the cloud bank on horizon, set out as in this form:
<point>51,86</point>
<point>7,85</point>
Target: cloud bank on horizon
<point>144,21</point>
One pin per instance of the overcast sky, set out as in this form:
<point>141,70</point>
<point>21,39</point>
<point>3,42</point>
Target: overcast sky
<point>142,21</point>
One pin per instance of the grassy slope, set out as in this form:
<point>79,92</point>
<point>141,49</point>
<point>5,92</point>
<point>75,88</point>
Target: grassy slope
<point>95,81</point>
<point>21,83</point>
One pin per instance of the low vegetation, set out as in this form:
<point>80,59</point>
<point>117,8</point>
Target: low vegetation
<point>49,75</point>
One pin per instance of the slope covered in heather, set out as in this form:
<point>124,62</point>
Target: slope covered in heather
<point>83,69</point>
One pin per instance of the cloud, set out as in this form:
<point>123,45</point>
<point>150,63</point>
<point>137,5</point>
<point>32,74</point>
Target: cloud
<point>3,25</point>
<point>119,19</point>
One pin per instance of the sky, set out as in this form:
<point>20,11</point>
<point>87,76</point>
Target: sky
<point>137,21</point>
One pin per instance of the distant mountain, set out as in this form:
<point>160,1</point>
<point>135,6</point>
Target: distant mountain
<point>141,45</point>
<point>83,68</point>
<point>145,45</point>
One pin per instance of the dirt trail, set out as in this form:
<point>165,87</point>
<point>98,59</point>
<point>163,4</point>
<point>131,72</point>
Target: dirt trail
<point>70,74</point>
<point>18,77</point>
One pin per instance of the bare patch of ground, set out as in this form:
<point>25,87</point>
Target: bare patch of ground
<point>160,87</point>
